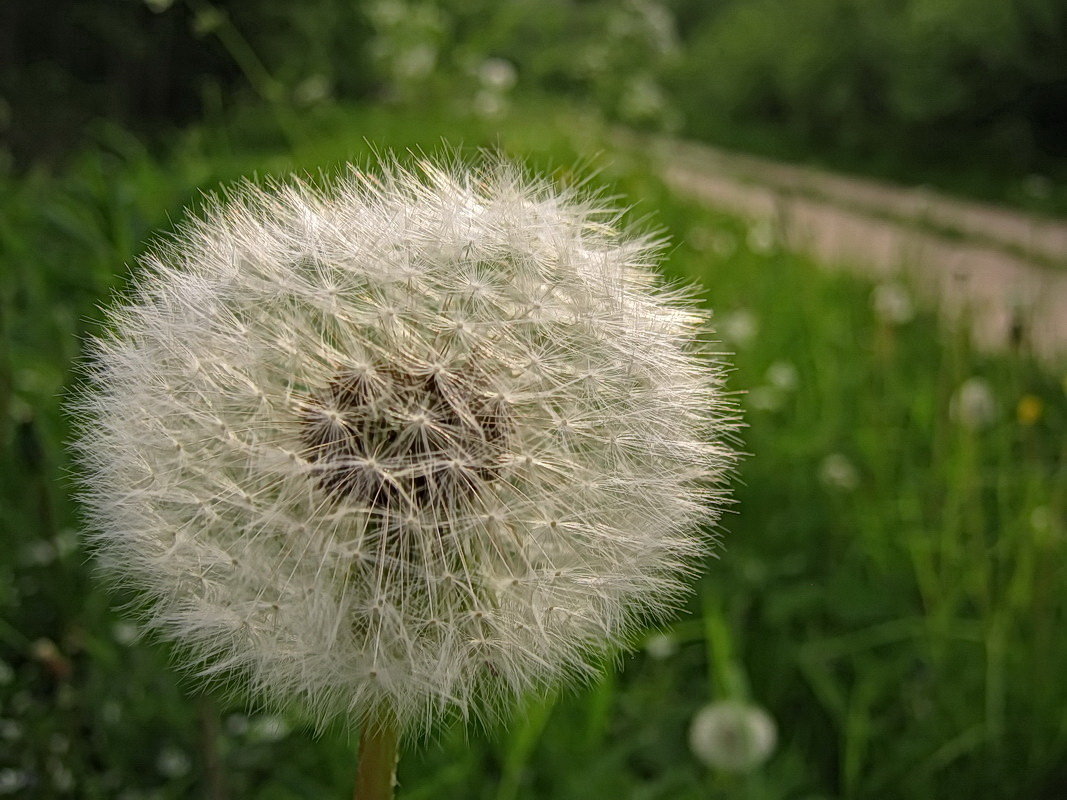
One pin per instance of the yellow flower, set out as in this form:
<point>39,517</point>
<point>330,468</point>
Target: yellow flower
<point>1029,409</point>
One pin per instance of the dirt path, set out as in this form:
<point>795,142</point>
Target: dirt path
<point>1007,270</point>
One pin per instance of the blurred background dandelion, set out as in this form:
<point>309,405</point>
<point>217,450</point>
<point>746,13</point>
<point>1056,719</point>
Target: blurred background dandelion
<point>874,199</point>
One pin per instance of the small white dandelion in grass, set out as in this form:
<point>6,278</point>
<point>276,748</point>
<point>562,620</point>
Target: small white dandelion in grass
<point>738,327</point>
<point>764,398</point>
<point>497,74</point>
<point>761,238</point>
<point>1038,187</point>
<point>60,775</point>
<point>836,471</point>
<point>405,446</point>
<point>125,633</point>
<point>700,238</point>
<point>172,762</point>
<point>13,781</point>
<point>489,105</point>
<point>783,376</point>
<point>973,404</point>
<point>732,736</point>
<point>10,730</point>
<point>724,244</point>
<point>267,728</point>
<point>892,304</point>
<point>661,646</point>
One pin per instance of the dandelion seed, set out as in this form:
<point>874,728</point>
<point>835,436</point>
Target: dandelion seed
<point>411,445</point>
<point>732,736</point>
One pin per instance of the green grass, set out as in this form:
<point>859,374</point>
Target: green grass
<point>906,631</point>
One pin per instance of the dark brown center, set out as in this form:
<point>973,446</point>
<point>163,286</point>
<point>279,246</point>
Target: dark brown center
<point>404,441</point>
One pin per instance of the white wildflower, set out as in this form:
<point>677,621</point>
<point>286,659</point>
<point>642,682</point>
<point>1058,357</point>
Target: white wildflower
<point>732,736</point>
<point>417,442</point>
<point>837,472</point>
<point>973,404</point>
<point>892,304</point>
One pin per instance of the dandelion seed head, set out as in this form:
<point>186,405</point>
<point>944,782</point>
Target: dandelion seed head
<point>416,439</point>
<point>892,304</point>
<point>836,471</point>
<point>973,404</point>
<point>732,736</point>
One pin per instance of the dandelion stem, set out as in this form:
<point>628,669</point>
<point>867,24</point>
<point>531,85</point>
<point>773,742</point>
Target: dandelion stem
<point>377,760</point>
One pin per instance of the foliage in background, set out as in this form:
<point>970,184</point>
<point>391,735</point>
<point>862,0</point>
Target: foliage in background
<point>893,587</point>
<point>914,89</point>
<point>892,85</point>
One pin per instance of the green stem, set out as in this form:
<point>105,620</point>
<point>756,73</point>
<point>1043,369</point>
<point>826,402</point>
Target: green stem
<point>378,756</point>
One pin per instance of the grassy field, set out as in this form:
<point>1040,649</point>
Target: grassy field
<point>892,588</point>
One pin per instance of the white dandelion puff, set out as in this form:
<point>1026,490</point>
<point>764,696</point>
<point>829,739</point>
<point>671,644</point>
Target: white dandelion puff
<point>732,736</point>
<point>892,304</point>
<point>973,404</point>
<point>782,375</point>
<point>837,471</point>
<point>415,442</point>
<point>661,646</point>
<point>739,327</point>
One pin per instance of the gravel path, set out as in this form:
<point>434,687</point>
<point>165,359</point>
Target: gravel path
<point>1007,270</point>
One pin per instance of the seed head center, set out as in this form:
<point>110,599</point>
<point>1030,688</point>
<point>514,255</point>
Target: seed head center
<point>402,440</point>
